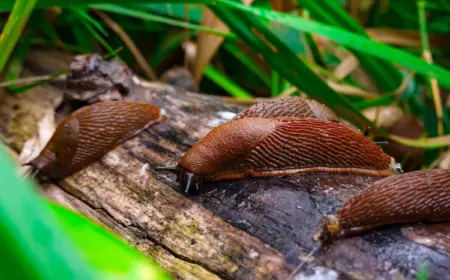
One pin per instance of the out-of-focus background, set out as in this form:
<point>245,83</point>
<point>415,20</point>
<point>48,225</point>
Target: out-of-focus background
<point>384,61</point>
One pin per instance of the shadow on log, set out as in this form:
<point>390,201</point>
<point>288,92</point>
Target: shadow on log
<point>242,229</point>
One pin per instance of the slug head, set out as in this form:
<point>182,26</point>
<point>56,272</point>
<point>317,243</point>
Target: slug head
<point>328,228</point>
<point>187,179</point>
<point>56,155</point>
<point>225,144</point>
<point>184,177</point>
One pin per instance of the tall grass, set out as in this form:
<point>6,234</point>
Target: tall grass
<point>264,54</point>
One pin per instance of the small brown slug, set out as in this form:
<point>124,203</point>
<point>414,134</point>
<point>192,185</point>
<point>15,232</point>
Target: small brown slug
<point>419,196</point>
<point>257,147</point>
<point>90,132</point>
<point>289,107</point>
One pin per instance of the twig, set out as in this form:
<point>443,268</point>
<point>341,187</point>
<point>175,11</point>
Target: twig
<point>428,58</point>
<point>354,91</point>
<point>130,44</point>
<point>32,79</point>
<point>304,261</point>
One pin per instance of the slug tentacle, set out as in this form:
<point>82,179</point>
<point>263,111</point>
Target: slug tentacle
<point>419,196</point>
<point>92,131</point>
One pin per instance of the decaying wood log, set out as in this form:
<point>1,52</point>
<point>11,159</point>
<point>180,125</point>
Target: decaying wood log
<point>243,229</point>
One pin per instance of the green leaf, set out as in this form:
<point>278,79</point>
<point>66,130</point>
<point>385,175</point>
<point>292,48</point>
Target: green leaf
<point>13,29</point>
<point>231,47</point>
<point>346,38</point>
<point>105,250</point>
<point>283,60</point>
<point>156,18</point>
<point>16,62</point>
<point>385,75</point>
<point>43,240</point>
<point>383,100</point>
<point>227,84</point>
<point>90,28</point>
<point>194,14</point>
<point>83,14</point>
<point>427,143</point>
<point>34,246</point>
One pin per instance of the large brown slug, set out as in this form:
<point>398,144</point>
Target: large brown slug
<point>419,196</point>
<point>90,132</point>
<point>258,147</point>
<point>289,107</point>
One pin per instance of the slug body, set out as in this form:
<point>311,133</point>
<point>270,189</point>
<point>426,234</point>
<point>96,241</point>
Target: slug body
<point>289,107</point>
<point>418,196</point>
<point>90,132</point>
<point>281,146</point>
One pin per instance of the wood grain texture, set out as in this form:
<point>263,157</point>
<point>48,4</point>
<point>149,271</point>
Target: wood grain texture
<point>243,229</point>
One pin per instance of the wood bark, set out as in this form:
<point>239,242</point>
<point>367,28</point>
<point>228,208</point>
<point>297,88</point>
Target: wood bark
<point>242,229</point>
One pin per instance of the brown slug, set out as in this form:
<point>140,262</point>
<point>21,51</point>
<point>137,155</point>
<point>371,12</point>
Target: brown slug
<point>90,132</point>
<point>419,196</point>
<point>289,107</point>
<point>257,147</point>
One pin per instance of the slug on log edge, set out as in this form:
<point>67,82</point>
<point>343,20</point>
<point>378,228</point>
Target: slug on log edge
<point>419,196</point>
<point>257,147</point>
<point>90,132</point>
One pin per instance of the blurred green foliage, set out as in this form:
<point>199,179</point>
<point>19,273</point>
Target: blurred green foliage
<point>264,53</point>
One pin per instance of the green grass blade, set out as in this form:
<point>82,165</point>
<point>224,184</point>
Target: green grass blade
<point>30,85</point>
<point>283,60</point>
<point>176,10</point>
<point>84,15</point>
<point>90,28</point>
<point>170,42</point>
<point>106,251</point>
<point>384,100</point>
<point>16,61</point>
<point>385,75</point>
<point>34,246</point>
<point>227,84</point>
<point>427,143</point>
<point>13,29</point>
<point>316,55</point>
<point>231,47</point>
<point>275,83</point>
<point>348,39</point>
<point>160,19</point>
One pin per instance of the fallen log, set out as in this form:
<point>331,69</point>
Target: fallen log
<point>242,229</point>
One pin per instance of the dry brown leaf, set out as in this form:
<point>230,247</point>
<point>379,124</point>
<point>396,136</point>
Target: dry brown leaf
<point>406,38</point>
<point>35,144</point>
<point>190,53</point>
<point>384,116</point>
<point>282,5</point>
<point>443,161</point>
<point>400,123</point>
<point>208,44</point>
<point>358,74</point>
<point>354,9</point>
<point>347,66</point>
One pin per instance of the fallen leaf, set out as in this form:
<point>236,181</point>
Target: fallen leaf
<point>35,144</point>
<point>208,44</point>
